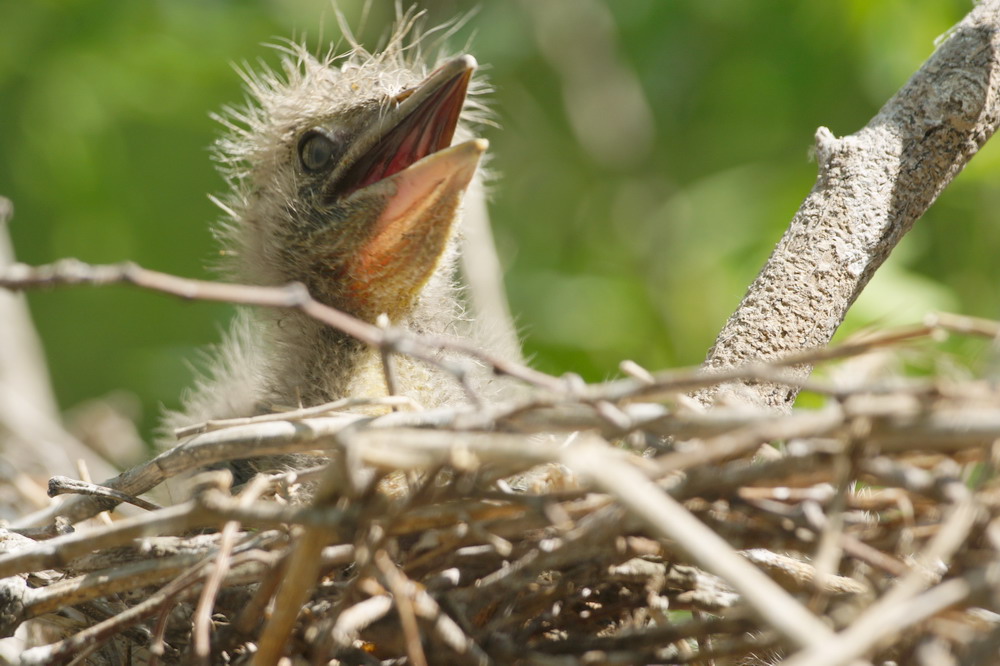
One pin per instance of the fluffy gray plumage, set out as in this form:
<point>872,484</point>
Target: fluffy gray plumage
<point>282,359</point>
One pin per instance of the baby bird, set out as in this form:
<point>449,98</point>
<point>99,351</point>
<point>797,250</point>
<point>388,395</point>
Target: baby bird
<point>346,174</point>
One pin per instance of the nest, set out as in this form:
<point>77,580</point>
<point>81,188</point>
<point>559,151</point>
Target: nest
<point>612,523</point>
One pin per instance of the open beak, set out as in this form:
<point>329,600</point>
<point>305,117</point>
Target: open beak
<point>422,122</point>
<point>407,181</point>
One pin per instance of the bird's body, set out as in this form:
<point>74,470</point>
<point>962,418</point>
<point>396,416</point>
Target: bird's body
<point>343,176</point>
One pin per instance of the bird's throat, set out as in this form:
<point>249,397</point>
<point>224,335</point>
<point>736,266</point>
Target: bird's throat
<point>411,215</point>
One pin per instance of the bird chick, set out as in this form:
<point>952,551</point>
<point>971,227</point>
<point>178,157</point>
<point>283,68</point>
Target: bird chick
<point>346,174</point>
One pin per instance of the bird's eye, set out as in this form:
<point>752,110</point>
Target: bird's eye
<point>315,151</point>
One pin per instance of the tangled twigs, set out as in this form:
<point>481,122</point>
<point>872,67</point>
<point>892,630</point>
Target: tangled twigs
<point>670,520</point>
<point>412,547</point>
<point>72,272</point>
<point>597,400</point>
<point>545,531</point>
<point>471,569</point>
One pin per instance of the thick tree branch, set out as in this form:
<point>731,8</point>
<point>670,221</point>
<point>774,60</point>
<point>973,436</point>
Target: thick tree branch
<point>872,186</point>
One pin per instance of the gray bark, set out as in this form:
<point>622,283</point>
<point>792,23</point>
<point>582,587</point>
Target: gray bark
<point>872,186</point>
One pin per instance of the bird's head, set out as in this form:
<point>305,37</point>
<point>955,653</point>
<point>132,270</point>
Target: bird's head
<point>344,176</point>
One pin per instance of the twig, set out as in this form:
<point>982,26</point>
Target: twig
<point>301,413</point>
<point>217,574</point>
<point>65,650</point>
<point>401,589</point>
<point>73,591</point>
<point>208,449</point>
<point>302,572</point>
<point>781,370</point>
<point>60,551</point>
<point>388,367</point>
<point>293,296</point>
<point>61,485</point>
<point>943,431</point>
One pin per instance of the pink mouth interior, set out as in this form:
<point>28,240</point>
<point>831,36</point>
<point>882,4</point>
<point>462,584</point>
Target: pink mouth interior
<point>428,129</point>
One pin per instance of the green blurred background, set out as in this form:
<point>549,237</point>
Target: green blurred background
<point>650,153</point>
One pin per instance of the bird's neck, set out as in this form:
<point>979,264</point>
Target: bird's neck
<point>314,363</point>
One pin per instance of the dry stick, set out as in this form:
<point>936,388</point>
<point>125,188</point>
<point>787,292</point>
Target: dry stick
<point>963,324</point>
<point>256,610</point>
<point>148,475</point>
<point>830,550</point>
<point>746,439</point>
<point>206,449</point>
<point>72,591</point>
<point>303,570</point>
<point>65,650</point>
<point>60,551</point>
<point>389,365</point>
<point>902,605</point>
<point>872,187</point>
<point>304,412</point>
<point>782,370</point>
<point>801,576</point>
<point>295,589</point>
<point>61,485</point>
<point>652,636</point>
<point>208,509</point>
<point>252,614</point>
<point>158,641</point>
<point>708,550</point>
<point>945,431</point>
<point>73,272</point>
<point>447,629</point>
<point>294,296</point>
<point>268,437</point>
<point>206,602</point>
<point>402,594</point>
<point>354,618</point>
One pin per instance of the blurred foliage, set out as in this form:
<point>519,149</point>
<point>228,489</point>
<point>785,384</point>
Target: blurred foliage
<point>650,155</point>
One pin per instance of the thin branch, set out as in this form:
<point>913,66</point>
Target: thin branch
<point>293,296</point>
<point>181,587</point>
<point>302,413</point>
<point>61,485</point>
<point>217,575</point>
<point>402,593</point>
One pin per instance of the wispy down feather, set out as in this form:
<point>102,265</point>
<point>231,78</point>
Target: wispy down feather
<point>278,221</point>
